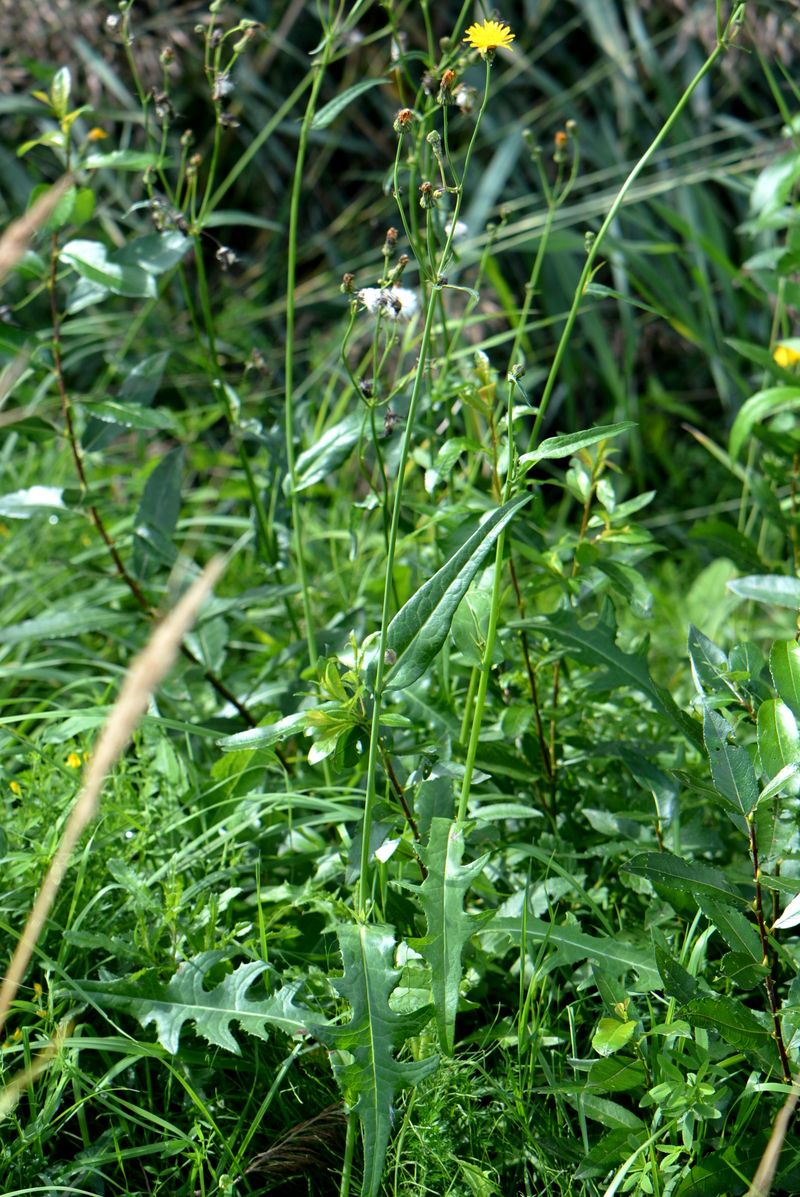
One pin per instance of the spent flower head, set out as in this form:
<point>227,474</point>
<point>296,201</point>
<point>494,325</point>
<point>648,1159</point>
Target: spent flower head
<point>396,303</point>
<point>488,36</point>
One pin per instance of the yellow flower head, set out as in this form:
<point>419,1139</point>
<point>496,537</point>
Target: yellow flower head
<point>783,356</point>
<point>488,36</point>
<point>73,761</point>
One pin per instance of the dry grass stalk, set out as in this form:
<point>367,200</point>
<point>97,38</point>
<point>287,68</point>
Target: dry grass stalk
<point>39,1064</point>
<point>762,1181</point>
<point>17,237</point>
<point>144,675</point>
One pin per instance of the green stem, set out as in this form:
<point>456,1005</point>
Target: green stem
<point>349,1150</point>
<point>594,249</point>
<point>291,276</point>
<point>491,632</point>
<point>374,745</point>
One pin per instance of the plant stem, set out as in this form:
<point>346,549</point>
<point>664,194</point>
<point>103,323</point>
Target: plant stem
<point>594,249</point>
<point>291,276</point>
<point>769,960</point>
<point>374,742</point>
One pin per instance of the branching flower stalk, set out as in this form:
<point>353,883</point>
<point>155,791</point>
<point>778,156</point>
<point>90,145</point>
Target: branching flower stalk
<point>319,68</point>
<point>583,281</point>
<point>435,270</point>
<point>589,267</point>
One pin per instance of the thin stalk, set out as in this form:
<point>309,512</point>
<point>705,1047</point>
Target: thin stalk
<point>370,796</point>
<point>291,276</point>
<point>769,960</point>
<point>491,636</point>
<point>594,249</point>
<point>349,1150</point>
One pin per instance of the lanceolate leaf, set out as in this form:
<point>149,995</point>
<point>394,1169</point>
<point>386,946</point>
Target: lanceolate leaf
<point>760,407</point>
<point>573,442</point>
<point>776,590</point>
<point>784,665</point>
<point>731,768</point>
<point>442,894</point>
<point>734,1022</point>
<point>673,873</point>
<point>739,934</point>
<point>571,945</point>
<point>778,739</point>
<point>185,999</point>
<point>420,628</point>
<point>596,645</point>
<point>328,113</point>
<point>375,1032</point>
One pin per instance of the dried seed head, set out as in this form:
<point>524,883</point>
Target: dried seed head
<point>226,257</point>
<point>403,121</point>
<point>348,281</point>
<point>390,242</point>
<point>427,196</point>
<point>445,94</point>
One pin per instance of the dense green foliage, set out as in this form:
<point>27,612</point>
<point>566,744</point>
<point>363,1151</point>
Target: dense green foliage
<point>458,854</point>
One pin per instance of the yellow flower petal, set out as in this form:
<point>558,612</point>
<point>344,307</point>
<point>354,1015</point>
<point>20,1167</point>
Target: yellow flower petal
<point>783,356</point>
<point>73,761</point>
<point>489,35</point>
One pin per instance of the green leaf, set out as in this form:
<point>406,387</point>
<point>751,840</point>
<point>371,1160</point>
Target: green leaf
<point>92,261</point>
<point>573,442</point>
<point>272,733</point>
<point>617,1076</point>
<point>731,768</point>
<point>734,1022</point>
<point>609,1113</point>
<point>759,407</point>
<point>673,875</point>
<point>120,160</point>
<point>328,452</point>
<point>709,663</point>
<point>596,645</point>
<point>60,89</point>
<point>420,628</point>
<point>778,738</point>
<point>738,932</point>
<point>110,411</point>
<point>155,253</point>
<point>784,780</point>
<point>328,113</point>
<point>158,512</point>
<point>743,970</point>
<point>62,623</point>
<point>775,589</point>
<point>185,999</point>
<point>442,895</point>
<point>374,1033</point>
<point>678,981</point>
<point>612,1034</point>
<point>784,665</point>
<point>138,390</point>
<point>22,504</point>
<point>614,955</point>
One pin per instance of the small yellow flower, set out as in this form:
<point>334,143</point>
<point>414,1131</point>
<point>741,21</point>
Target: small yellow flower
<point>489,35</point>
<point>73,761</point>
<point>15,787</point>
<point>784,356</point>
<point>96,134</point>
